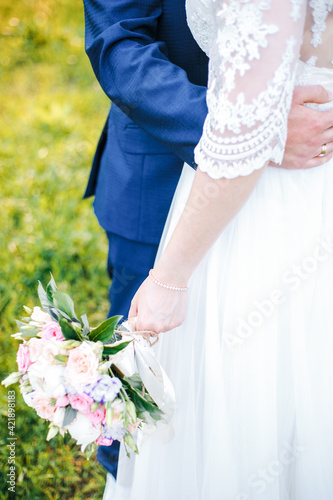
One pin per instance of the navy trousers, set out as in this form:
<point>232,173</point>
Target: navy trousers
<point>128,266</point>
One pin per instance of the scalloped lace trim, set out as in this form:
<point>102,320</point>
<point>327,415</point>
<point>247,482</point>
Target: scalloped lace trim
<point>229,157</point>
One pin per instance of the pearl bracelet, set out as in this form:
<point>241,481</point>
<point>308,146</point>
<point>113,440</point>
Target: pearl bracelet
<point>169,287</point>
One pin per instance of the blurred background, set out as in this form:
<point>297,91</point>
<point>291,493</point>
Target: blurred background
<point>52,112</point>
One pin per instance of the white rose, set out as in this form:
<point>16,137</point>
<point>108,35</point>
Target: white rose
<point>58,417</point>
<point>46,378</point>
<point>36,374</point>
<point>83,430</point>
<point>51,348</point>
<point>59,391</point>
<point>29,398</point>
<point>53,380</point>
<point>35,348</point>
<point>39,316</point>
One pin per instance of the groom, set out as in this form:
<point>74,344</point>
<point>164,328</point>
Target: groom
<point>149,65</point>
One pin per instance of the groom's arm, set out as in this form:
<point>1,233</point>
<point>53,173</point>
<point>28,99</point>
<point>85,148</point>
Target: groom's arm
<point>134,71</point>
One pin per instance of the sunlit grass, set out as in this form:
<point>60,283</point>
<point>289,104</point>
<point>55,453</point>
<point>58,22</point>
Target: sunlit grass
<point>52,112</point>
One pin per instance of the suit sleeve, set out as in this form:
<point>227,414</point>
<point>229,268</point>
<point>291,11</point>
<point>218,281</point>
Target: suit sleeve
<point>134,71</point>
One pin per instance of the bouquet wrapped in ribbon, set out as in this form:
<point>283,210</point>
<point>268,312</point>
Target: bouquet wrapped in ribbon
<point>99,384</point>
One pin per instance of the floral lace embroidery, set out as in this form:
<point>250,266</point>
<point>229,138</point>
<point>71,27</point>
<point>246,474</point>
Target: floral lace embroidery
<point>202,29</point>
<point>320,9</point>
<point>295,13</point>
<point>200,18</point>
<point>241,154</point>
<point>242,36</point>
<point>304,70</point>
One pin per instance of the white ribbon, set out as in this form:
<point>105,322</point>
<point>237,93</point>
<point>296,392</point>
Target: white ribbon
<point>139,357</point>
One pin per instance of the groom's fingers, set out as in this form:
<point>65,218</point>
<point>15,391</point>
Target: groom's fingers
<point>312,93</point>
<point>315,162</point>
<point>308,129</point>
<point>326,149</point>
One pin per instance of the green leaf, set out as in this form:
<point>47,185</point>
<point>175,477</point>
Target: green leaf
<point>44,300</point>
<point>86,326</point>
<point>109,415</point>
<point>135,381</point>
<point>129,440</point>
<point>68,331</point>
<point>49,293</point>
<point>125,420</point>
<point>70,414</point>
<point>131,411</point>
<point>104,331</point>
<point>28,335</point>
<point>94,406</point>
<point>64,303</point>
<point>53,431</point>
<point>51,287</point>
<point>13,378</point>
<point>61,357</point>
<point>52,284</point>
<point>142,403</point>
<point>27,331</point>
<point>110,350</point>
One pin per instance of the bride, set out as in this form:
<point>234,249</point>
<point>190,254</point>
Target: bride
<point>244,276</point>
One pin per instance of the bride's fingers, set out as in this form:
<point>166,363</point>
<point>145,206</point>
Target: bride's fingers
<point>131,322</point>
<point>147,322</point>
<point>134,308</point>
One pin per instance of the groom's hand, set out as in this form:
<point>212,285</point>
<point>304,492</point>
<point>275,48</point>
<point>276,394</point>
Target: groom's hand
<point>308,129</point>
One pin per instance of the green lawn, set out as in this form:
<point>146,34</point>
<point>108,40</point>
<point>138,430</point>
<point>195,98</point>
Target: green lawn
<point>52,112</point>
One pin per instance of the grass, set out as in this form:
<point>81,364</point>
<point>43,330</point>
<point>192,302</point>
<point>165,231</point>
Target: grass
<point>52,113</point>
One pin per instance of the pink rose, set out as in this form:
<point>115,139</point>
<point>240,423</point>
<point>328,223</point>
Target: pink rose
<point>97,416</point>
<point>61,402</point>
<point>81,367</point>
<point>104,441</point>
<point>81,402</point>
<point>23,358</point>
<point>52,330</point>
<point>43,407</point>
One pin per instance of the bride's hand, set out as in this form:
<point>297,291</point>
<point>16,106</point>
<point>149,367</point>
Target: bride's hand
<point>158,309</point>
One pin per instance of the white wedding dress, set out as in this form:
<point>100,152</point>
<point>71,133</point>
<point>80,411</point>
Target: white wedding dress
<point>252,365</point>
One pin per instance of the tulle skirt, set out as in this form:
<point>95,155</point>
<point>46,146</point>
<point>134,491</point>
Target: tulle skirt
<point>252,365</point>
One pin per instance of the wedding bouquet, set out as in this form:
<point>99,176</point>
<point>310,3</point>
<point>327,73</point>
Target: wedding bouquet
<point>86,380</point>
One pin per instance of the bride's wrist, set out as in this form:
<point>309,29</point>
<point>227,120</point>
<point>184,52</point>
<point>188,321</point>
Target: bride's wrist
<point>172,274</point>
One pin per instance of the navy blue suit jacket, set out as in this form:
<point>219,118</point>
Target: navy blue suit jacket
<point>149,65</point>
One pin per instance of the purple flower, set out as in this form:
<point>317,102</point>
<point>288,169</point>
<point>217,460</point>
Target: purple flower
<point>104,390</point>
<point>116,431</point>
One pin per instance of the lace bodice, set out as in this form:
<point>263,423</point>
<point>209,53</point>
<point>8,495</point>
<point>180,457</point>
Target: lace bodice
<point>254,46</point>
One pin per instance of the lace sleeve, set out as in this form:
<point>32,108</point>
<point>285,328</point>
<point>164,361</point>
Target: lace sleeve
<point>251,76</point>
